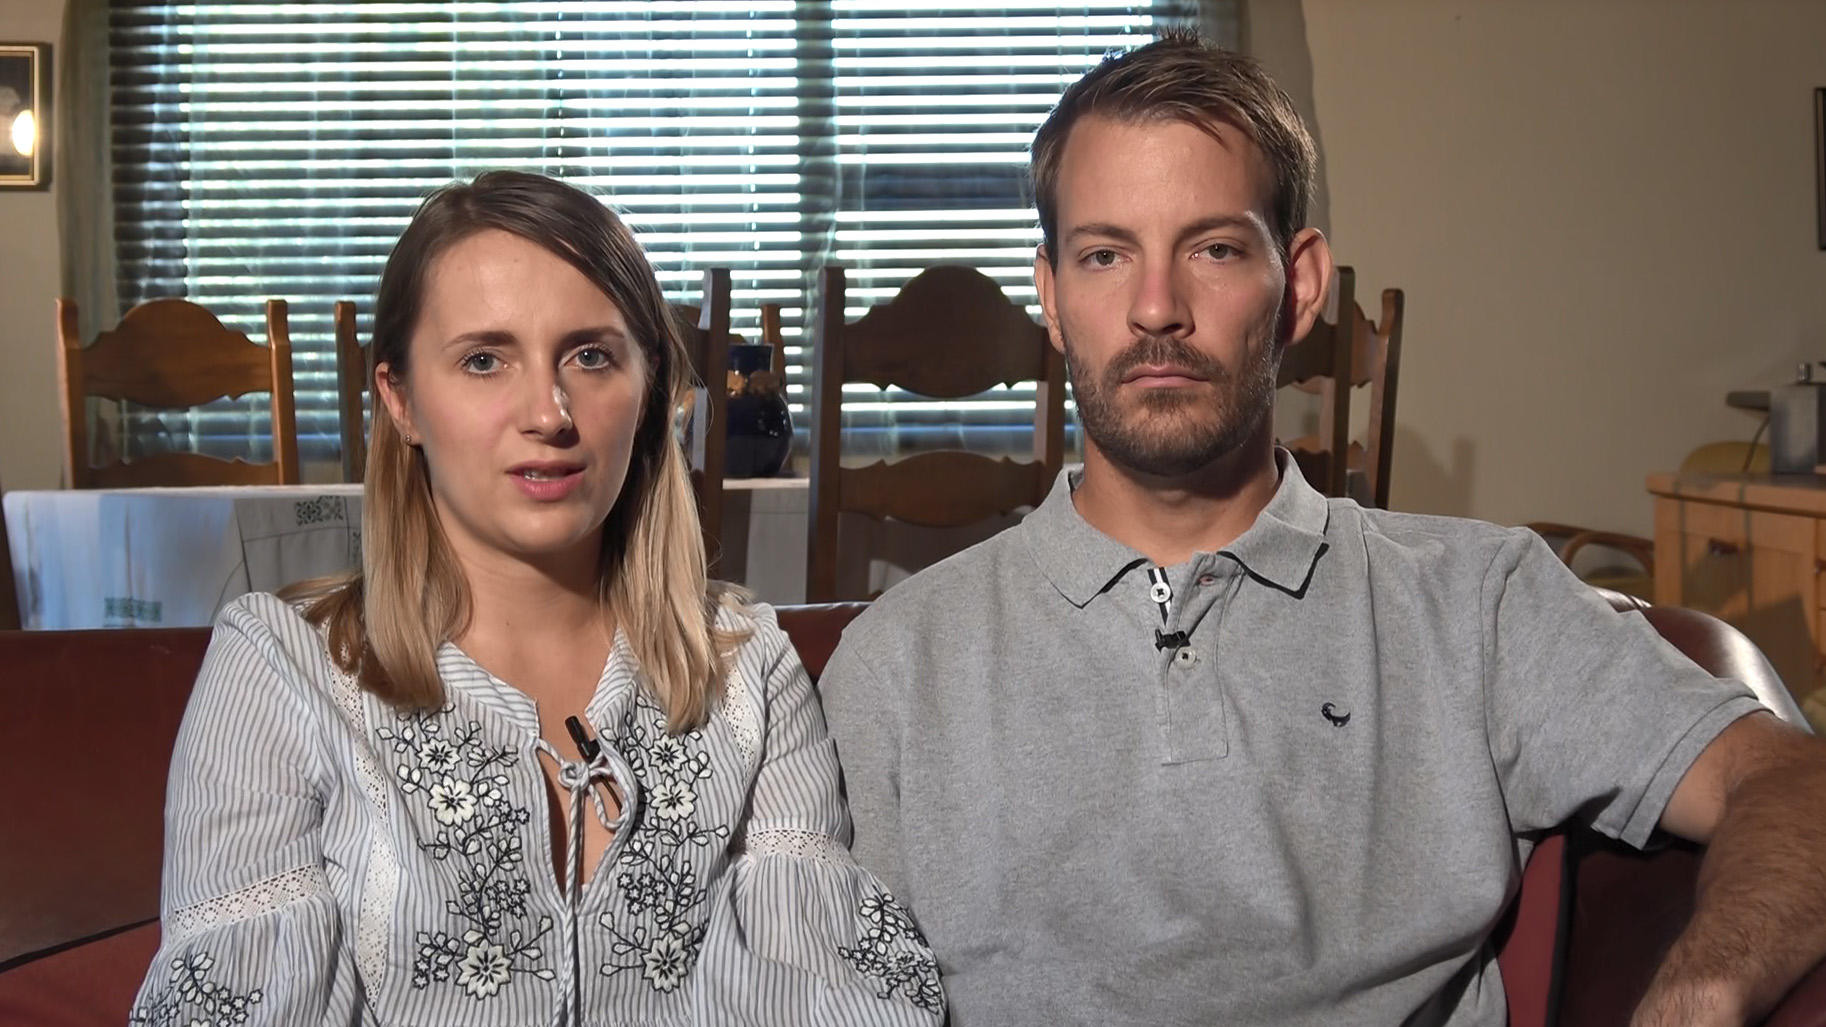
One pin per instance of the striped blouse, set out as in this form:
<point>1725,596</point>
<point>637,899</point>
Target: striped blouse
<point>332,860</point>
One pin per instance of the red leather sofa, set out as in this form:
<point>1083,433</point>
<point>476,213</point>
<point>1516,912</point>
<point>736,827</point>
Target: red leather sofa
<point>87,722</point>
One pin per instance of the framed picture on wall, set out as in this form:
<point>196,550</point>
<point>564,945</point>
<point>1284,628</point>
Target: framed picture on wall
<point>25,115</point>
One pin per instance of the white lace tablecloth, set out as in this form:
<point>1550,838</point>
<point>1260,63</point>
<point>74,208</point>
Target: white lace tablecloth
<point>171,557</point>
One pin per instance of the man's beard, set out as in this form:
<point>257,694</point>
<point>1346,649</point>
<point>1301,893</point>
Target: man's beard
<point>1172,432</point>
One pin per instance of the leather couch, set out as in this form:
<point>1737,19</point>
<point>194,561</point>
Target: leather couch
<point>87,722</point>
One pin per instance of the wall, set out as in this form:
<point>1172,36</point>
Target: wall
<point>1603,214</point>
<point>1601,210</point>
<point>29,418</point>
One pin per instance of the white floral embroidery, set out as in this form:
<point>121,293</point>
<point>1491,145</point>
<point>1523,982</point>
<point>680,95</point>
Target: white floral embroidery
<point>483,970</point>
<point>478,831</point>
<point>893,954</point>
<point>657,925</point>
<point>672,799</point>
<point>667,962</point>
<point>191,994</point>
<point>451,800</point>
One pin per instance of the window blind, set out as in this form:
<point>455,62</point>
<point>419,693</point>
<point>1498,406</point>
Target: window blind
<point>278,150</point>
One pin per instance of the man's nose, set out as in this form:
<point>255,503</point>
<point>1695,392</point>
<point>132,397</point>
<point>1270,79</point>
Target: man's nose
<point>1158,306</point>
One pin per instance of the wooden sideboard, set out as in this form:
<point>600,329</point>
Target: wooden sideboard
<point>1751,549</point>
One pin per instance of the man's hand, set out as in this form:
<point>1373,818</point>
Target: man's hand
<point>1757,798</point>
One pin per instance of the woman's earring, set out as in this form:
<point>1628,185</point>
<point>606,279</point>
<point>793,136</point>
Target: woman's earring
<point>408,438</point>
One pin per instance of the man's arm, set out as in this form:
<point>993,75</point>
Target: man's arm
<point>1757,798</point>
<point>864,722</point>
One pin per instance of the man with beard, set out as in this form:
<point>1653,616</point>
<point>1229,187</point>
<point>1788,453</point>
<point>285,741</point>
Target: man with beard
<point>1193,744</point>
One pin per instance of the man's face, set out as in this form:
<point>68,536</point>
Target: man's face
<point>1167,297</point>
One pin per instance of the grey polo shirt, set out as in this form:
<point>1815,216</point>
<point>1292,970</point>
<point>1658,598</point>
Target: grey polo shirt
<point>1312,812</point>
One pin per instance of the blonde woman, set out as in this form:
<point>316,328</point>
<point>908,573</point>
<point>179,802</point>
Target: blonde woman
<point>377,813</point>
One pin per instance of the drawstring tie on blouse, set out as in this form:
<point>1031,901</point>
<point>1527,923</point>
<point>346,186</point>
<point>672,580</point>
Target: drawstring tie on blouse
<point>579,779</point>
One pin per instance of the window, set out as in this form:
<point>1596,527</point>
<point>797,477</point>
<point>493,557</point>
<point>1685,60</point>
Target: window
<point>278,150</point>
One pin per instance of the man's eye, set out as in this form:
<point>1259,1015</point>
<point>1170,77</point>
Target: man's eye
<point>1220,251</point>
<point>481,363</point>
<point>1101,258</point>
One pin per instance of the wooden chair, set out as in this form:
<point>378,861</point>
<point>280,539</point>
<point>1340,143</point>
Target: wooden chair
<point>1334,358</point>
<point>705,329</point>
<point>1635,575</point>
<point>948,333</point>
<point>9,592</point>
<point>172,354</point>
<point>352,376</point>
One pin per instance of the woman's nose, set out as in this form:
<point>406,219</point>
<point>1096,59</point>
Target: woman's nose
<point>549,412</point>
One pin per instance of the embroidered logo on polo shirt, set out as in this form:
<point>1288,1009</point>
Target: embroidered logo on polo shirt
<point>1330,712</point>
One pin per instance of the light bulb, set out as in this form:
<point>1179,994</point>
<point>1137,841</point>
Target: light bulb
<point>25,133</point>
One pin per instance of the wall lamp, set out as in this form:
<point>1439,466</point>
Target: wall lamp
<point>25,115</point>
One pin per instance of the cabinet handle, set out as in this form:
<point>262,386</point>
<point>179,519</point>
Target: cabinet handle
<point>1719,547</point>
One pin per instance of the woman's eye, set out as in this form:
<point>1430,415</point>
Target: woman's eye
<point>594,358</point>
<point>481,363</point>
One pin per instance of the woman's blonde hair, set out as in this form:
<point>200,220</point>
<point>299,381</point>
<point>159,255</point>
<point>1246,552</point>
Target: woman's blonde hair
<point>386,622</point>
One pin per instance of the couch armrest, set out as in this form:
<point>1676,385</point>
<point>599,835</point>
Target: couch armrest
<point>1805,1006</point>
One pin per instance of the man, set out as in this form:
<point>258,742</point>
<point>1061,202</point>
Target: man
<point>1193,744</point>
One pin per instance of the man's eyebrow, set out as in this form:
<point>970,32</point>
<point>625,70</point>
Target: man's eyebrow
<point>1218,221</point>
<point>1104,230</point>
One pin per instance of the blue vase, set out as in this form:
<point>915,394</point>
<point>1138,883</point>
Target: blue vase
<point>760,433</point>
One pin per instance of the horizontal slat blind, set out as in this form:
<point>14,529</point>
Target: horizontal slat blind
<point>278,150</point>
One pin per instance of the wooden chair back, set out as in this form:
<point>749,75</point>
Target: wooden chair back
<point>1335,358</point>
<point>352,377</point>
<point>949,333</point>
<point>705,330</point>
<point>9,591</point>
<point>173,354</point>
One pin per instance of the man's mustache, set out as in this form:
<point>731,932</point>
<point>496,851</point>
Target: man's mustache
<point>1164,349</point>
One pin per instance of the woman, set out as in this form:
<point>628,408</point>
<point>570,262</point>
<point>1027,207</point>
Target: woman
<point>375,815</point>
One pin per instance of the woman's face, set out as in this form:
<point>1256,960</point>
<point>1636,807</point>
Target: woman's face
<point>524,390</point>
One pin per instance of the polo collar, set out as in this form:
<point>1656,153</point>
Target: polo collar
<point>1280,548</point>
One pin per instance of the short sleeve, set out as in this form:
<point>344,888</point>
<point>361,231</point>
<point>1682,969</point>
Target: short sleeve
<point>250,931</point>
<point>803,933</point>
<point>1590,711</point>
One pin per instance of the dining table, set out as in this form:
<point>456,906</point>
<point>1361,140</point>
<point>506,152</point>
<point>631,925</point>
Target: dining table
<point>171,557</point>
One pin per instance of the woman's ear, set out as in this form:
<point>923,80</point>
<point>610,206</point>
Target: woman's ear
<point>392,394</point>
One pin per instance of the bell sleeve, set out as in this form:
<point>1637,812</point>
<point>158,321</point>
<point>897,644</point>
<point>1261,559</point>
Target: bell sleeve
<point>251,933</point>
<point>808,934</point>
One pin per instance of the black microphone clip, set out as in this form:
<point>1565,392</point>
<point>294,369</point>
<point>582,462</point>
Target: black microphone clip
<point>1177,640</point>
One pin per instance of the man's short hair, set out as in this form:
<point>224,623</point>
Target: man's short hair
<point>1180,77</point>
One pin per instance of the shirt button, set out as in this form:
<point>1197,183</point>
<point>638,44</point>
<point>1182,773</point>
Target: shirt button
<point>1207,579</point>
<point>1160,592</point>
<point>1185,656</point>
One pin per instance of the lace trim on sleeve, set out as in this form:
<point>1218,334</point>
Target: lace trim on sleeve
<point>380,884</point>
<point>811,845</point>
<point>739,711</point>
<point>257,899</point>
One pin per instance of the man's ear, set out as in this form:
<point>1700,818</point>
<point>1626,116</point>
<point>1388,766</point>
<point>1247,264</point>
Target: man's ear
<point>392,396</point>
<point>1309,268</point>
<point>1043,284</point>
